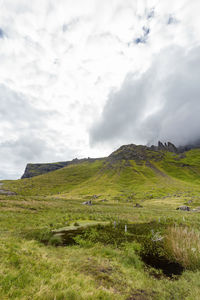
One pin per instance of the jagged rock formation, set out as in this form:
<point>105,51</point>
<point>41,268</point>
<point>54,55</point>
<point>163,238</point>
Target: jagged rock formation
<point>172,148</point>
<point>144,153</point>
<point>167,147</point>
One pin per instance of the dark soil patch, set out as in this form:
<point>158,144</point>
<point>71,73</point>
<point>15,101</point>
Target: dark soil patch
<point>141,295</point>
<point>169,269</point>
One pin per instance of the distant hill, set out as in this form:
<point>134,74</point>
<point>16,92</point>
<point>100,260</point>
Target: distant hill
<point>33,170</point>
<point>131,151</point>
<point>131,172</point>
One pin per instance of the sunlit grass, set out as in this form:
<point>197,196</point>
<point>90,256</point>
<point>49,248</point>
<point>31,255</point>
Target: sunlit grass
<point>98,267</point>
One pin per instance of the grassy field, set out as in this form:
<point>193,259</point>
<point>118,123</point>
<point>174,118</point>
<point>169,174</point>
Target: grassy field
<point>157,257</point>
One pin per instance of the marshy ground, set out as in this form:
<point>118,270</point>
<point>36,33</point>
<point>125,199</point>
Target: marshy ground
<point>103,261</point>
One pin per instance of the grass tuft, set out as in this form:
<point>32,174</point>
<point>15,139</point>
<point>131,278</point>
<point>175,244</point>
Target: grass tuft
<point>183,245</point>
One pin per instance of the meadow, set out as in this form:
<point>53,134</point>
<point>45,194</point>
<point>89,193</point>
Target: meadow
<point>131,243</point>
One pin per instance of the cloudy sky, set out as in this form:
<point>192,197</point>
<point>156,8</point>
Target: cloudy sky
<point>80,78</point>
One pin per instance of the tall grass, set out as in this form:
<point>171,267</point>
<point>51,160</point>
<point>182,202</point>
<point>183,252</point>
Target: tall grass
<point>183,245</point>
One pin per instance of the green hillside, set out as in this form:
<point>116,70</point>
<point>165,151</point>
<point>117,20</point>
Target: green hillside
<point>150,174</point>
<point>130,244</point>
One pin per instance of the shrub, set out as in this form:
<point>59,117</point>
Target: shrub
<point>131,254</point>
<point>76,224</point>
<point>107,235</point>
<point>40,235</point>
<point>85,243</point>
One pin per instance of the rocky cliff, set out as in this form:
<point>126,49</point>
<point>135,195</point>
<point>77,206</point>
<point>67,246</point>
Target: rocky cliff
<point>39,169</point>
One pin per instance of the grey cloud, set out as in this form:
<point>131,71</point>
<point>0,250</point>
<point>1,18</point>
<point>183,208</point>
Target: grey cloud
<point>70,25</point>
<point>151,14</point>
<point>171,20</point>
<point>14,154</point>
<point>164,103</point>
<point>73,23</point>
<point>22,133</point>
<point>25,136</point>
<point>143,39</point>
<point>16,109</point>
<point>2,34</point>
<point>26,147</point>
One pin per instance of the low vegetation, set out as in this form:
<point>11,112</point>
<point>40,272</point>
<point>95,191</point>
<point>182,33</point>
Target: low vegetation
<point>55,247</point>
<point>183,246</point>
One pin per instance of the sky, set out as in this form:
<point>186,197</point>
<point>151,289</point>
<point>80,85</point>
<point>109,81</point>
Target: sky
<point>81,78</point>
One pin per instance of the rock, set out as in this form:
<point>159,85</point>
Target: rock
<point>161,146</point>
<point>138,205</point>
<point>133,152</point>
<point>167,147</point>
<point>190,201</point>
<point>184,207</point>
<point>7,193</point>
<point>172,148</point>
<point>87,202</point>
<point>39,169</point>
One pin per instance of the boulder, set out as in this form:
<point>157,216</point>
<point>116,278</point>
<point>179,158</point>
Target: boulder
<point>190,201</point>
<point>87,202</point>
<point>7,193</point>
<point>138,205</point>
<point>184,207</point>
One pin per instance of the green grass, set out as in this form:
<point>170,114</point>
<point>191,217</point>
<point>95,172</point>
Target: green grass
<point>95,269</point>
<point>105,262</point>
<point>122,179</point>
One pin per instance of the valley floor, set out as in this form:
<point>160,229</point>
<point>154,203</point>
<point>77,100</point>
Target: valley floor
<point>103,264</point>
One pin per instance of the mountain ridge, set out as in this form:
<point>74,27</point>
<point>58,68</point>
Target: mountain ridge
<point>127,152</point>
<point>141,171</point>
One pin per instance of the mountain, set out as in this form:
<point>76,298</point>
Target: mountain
<point>132,172</point>
<point>127,151</point>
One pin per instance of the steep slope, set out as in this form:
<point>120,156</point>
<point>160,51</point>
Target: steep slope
<point>56,182</point>
<point>130,172</point>
<point>33,170</point>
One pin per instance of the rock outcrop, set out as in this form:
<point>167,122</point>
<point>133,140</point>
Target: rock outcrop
<point>134,152</point>
<point>145,153</point>
<point>39,169</point>
<point>167,147</point>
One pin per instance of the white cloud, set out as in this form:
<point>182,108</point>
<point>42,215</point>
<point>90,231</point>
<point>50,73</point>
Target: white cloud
<point>163,104</point>
<point>66,56</point>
